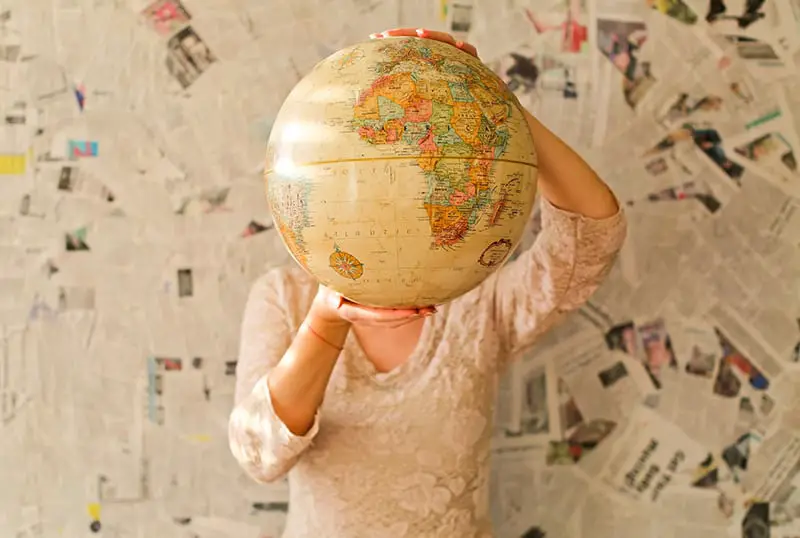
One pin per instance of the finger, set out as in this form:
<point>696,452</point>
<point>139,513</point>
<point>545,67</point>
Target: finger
<point>398,324</point>
<point>466,47</point>
<point>438,36</point>
<point>392,324</point>
<point>378,311</point>
<point>356,313</point>
<point>400,32</point>
<point>381,323</point>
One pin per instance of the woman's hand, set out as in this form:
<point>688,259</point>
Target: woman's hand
<point>427,34</point>
<point>331,308</point>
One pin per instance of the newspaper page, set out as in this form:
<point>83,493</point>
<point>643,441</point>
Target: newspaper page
<point>531,499</point>
<point>768,145</point>
<point>650,456</point>
<point>770,503</point>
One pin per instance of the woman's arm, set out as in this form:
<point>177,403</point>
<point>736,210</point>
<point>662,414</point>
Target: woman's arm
<point>565,180</point>
<point>297,384</point>
<point>280,381</point>
<point>583,229</point>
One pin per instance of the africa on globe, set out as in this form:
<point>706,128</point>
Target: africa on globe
<point>401,172</point>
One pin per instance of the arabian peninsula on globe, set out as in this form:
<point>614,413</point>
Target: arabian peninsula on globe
<point>401,172</point>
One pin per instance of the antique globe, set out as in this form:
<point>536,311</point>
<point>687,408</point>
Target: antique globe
<point>400,172</point>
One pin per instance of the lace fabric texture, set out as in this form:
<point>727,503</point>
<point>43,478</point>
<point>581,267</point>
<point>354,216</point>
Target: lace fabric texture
<point>406,453</point>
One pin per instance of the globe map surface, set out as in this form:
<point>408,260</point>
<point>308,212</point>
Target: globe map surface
<point>400,172</point>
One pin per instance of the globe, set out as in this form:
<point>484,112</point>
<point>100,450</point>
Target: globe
<point>400,172</point>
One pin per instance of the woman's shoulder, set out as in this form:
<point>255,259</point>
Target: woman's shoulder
<point>289,287</point>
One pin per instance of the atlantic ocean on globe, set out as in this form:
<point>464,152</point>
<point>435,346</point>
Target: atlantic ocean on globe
<point>400,172</point>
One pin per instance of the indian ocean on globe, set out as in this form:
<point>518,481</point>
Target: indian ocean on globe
<point>401,172</point>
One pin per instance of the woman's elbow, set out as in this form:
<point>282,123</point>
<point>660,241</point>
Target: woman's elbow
<point>254,455</point>
<point>264,474</point>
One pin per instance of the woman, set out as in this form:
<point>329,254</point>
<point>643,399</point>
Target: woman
<point>383,417</point>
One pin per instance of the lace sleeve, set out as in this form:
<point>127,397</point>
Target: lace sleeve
<point>567,263</point>
<point>261,443</point>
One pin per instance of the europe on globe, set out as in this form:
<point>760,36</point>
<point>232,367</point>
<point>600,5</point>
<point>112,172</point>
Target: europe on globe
<point>400,172</point>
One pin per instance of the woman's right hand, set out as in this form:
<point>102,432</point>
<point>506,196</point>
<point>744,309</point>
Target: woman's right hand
<point>330,307</point>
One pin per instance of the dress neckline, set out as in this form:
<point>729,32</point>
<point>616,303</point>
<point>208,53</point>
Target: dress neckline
<point>418,357</point>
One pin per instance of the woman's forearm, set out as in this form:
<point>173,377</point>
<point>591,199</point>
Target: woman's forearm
<point>297,384</point>
<point>565,179</point>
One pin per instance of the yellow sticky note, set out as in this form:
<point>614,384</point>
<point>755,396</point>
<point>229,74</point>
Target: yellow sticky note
<point>12,165</point>
<point>443,9</point>
<point>94,511</point>
<point>199,437</point>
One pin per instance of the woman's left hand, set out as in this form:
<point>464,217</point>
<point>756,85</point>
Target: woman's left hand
<point>427,34</point>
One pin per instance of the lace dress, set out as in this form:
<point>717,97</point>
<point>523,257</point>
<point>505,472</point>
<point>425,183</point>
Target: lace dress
<point>406,453</point>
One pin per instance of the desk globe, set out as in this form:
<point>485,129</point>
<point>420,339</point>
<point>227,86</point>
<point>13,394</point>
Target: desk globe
<point>400,172</point>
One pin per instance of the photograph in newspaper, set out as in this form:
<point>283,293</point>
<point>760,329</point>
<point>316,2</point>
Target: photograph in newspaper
<point>649,342</point>
<point>701,363</point>
<point>768,146</point>
<point>676,9</point>
<point>753,20</point>
<point>768,470</point>
<point>749,48</point>
<point>691,190</point>
<point>735,370</point>
<point>77,240</point>
<point>570,25</point>
<point>763,57</point>
<point>526,413</point>
<point>707,140</point>
<point>72,180</point>
<point>684,106</point>
<point>166,16</point>
<point>620,42</point>
<point>761,51</point>
<point>751,12</point>
<point>530,74</point>
<point>459,13</point>
<point>188,57</point>
<point>657,348</point>
<point>578,436</point>
<point>772,151</point>
<point>535,417</point>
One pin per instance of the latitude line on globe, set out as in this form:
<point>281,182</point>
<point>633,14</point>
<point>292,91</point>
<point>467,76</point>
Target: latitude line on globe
<point>404,158</point>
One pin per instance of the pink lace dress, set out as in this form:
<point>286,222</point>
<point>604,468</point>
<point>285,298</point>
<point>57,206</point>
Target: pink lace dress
<point>406,453</point>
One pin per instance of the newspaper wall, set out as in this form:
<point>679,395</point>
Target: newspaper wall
<point>132,223</point>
